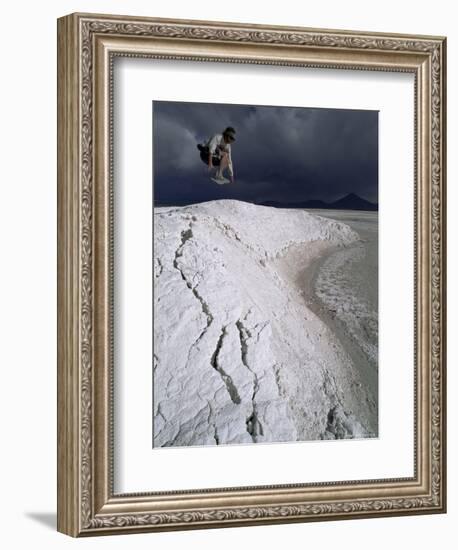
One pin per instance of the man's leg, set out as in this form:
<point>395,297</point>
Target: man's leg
<point>222,165</point>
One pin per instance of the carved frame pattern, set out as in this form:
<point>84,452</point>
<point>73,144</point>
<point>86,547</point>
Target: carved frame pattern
<point>76,478</point>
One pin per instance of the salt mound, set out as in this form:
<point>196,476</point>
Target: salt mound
<point>238,356</point>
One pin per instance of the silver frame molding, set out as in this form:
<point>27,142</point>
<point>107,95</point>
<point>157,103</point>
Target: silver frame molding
<point>87,45</point>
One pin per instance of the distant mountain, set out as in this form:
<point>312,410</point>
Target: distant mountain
<point>353,202</point>
<point>348,202</point>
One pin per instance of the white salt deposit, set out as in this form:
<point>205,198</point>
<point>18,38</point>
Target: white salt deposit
<point>239,357</point>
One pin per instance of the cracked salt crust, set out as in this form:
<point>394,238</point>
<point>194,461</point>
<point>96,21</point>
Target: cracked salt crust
<point>239,356</point>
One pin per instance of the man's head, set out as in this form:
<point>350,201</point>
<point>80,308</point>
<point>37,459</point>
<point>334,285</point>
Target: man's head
<point>229,134</point>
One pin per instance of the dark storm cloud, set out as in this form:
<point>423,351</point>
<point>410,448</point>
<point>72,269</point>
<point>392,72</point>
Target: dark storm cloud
<point>285,154</point>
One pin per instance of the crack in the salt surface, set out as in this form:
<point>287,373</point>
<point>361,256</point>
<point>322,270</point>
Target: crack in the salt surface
<point>225,228</point>
<point>213,424</point>
<point>281,390</point>
<point>226,378</point>
<point>186,235</point>
<point>253,424</point>
<point>337,426</point>
<point>155,362</point>
<point>161,268</point>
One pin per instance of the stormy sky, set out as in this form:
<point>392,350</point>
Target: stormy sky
<point>283,154</point>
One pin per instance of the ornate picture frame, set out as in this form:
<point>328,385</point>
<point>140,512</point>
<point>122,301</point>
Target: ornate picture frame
<point>87,46</point>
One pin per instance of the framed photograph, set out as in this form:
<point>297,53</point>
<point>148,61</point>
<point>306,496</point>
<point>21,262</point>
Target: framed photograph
<point>251,276</point>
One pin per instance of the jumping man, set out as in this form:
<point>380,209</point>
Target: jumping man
<point>217,152</point>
